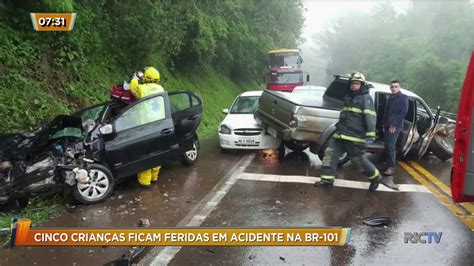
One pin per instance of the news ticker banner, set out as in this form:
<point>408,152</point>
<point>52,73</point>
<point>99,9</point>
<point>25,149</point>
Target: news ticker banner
<point>53,21</point>
<point>24,235</point>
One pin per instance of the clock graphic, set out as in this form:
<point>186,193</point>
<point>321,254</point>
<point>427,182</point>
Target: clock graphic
<point>53,21</point>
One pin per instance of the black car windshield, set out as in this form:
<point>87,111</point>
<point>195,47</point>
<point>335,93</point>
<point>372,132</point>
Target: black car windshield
<point>285,78</point>
<point>90,117</point>
<point>245,105</point>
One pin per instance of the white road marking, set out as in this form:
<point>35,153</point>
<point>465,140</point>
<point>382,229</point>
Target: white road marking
<point>163,255</point>
<point>337,182</point>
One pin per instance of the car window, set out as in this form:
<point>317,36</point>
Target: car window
<point>148,111</point>
<point>337,89</point>
<point>113,111</point>
<point>423,118</point>
<point>309,92</point>
<point>421,109</point>
<point>245,105</point>
<point>92,113</point>
<point>285,59</point>
<point>195,100</point>
<point>90,117</point>
<point>179,102</point>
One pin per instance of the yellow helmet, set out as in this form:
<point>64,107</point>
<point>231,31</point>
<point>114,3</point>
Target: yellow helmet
<point>151,75</point>
<point>357,76</point>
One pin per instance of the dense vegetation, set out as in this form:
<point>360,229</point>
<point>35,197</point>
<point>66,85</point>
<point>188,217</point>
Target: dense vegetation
<point>216,48</point>
<point>427,48</point>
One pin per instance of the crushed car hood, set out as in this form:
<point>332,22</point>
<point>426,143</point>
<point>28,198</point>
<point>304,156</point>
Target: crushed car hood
<point>21,146</point>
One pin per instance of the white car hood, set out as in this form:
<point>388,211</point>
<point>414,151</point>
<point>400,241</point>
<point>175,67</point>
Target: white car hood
<point>240,121</point>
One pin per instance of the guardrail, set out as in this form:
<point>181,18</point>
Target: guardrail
<point>447,114</point>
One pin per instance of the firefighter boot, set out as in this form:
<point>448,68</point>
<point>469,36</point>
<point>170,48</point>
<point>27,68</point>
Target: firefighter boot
<point>374,184</point>
<point>324,183</point>
<point>388,182</point>
<point>155,171</point>
<point>144,178</point>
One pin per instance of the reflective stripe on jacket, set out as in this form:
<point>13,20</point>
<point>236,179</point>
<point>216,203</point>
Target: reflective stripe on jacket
<point>144,90</point>
<point>358,118</point>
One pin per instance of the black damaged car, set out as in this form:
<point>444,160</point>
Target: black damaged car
<point>88,152</point>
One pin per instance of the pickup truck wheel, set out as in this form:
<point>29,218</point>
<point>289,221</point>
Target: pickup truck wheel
<point>99,187</point>
<point>342,161</point>
<point>295,146</point>
<point>441,148</point>
<point>189,157</point>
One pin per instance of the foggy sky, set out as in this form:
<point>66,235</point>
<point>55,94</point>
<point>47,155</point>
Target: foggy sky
<point>318,15</point>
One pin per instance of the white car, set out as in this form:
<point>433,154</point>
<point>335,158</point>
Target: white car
<point>239,130</point>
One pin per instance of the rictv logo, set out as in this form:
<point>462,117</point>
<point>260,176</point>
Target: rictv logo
<point>423,237</point>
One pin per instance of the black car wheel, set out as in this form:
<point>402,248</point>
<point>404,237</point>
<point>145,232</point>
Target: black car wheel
<point>441,148</point>
<point>189,157</point>
<point>296,146</point>
<point>99,187</point>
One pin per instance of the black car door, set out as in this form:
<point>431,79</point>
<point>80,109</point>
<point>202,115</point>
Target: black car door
<point>143,137</point>
<point>334,94</point>
<point>186,109</point>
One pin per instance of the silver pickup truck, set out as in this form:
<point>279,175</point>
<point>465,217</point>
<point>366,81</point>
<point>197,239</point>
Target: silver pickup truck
<point>306,120</point>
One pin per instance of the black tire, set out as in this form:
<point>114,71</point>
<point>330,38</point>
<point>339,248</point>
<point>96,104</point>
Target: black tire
<point>296,146</point>
<point>441,148</point>
<point>189,157</point>
<point>342,161</point>
<point>104,179</point>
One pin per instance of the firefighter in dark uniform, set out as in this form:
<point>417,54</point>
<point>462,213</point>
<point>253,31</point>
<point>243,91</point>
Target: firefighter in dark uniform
<point>355,129</point>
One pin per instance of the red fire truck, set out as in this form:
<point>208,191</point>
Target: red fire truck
<point>284,72</point>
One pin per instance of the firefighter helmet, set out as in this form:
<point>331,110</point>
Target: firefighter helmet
<point>357,76</point>
<point>151,75</point>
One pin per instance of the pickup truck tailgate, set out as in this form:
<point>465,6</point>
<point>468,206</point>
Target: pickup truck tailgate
<point>275,110</point>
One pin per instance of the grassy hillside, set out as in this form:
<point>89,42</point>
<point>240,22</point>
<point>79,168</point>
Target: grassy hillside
<point>207,46</point>
<point>41,90</point>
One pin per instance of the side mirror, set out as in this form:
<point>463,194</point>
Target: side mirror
<point>225,111</point>
<point>106,130</point>
<point>307,78</point>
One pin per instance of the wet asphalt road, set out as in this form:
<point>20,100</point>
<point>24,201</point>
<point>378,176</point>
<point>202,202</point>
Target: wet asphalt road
<point>267,203</point>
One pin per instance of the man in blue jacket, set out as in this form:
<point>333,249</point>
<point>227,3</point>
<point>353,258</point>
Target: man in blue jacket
<point>395,112</point>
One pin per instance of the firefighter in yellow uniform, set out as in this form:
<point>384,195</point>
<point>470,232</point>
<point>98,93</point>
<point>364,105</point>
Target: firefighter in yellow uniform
<point>150,86</point>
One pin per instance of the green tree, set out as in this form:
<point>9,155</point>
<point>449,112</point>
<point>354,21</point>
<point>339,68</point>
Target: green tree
<point>427,48</point>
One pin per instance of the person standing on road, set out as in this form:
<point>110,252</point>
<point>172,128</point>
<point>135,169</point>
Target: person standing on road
<point>149,87</point>
<point>395,112</point>
<point>355,129</point>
